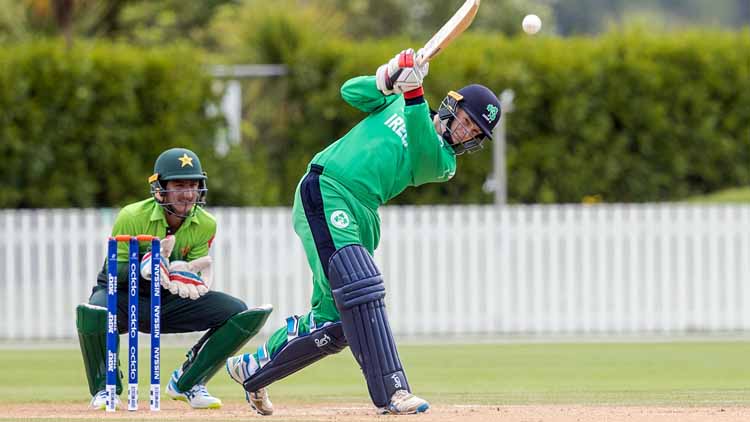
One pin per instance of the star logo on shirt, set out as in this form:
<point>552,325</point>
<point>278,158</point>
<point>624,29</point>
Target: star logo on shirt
<point>185,160</point>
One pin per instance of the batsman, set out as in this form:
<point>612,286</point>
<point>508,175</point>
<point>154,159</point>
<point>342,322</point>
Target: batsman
<point>400,143</point>
<point>174,213</point>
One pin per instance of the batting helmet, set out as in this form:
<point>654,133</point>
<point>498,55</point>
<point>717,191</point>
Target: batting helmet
<point>482,106</point>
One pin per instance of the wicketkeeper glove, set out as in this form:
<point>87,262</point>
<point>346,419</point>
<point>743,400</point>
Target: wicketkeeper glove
<point>191,279</point>
<point>166,250</point>
<point>401,74</point>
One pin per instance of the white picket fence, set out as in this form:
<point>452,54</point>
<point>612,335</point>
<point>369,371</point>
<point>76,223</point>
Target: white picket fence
<point>563,269</point>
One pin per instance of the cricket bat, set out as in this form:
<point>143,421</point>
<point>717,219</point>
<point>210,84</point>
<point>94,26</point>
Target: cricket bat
<point>452,29</point>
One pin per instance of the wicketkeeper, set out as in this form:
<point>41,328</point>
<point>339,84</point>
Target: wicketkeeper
<point>400,143</point>
<point>174,213</point>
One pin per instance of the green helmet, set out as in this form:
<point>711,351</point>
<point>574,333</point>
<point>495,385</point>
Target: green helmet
<point>177,164</point>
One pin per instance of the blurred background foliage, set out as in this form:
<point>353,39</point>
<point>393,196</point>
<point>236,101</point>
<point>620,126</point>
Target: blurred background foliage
<point>616,99</point>
<point>164,21</point>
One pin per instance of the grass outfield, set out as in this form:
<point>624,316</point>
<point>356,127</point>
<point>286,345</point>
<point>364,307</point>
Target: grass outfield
<point>677,373</point>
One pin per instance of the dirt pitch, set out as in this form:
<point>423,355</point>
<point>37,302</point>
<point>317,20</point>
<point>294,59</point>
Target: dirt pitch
<point>175,411</point>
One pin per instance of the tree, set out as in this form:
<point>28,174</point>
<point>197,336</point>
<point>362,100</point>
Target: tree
<point>137,21</point>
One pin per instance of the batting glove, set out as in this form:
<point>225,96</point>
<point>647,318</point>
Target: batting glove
<point>401,74</point>
<point>190,279</point>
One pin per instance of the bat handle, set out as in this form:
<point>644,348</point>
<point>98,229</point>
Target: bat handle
<point>420,59</point>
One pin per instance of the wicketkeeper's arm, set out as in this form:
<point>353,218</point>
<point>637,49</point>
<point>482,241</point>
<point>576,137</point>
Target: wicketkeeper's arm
<point>123,225</point>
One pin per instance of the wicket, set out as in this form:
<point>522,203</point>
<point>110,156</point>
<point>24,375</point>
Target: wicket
<point>112,332</point>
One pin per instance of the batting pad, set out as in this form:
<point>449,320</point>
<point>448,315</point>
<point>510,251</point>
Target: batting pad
<point>298,353</point>
<point>91,324</point>
<point>359,293</point>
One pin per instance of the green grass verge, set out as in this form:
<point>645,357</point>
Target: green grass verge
<point>678,373</point>
<point>734,195</point>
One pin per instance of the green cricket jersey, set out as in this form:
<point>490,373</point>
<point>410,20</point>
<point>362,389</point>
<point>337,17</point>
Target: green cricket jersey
<point>396,146</point>
<point>192,239</point>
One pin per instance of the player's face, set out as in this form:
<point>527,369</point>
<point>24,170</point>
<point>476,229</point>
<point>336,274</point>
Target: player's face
<point>463,128</point>
<point>182,194</point>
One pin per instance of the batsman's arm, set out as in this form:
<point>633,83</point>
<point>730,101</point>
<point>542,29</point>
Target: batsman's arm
<point>362,93</point>
<point>432,158</point>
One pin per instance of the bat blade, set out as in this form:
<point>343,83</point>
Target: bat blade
<point>452,29</point>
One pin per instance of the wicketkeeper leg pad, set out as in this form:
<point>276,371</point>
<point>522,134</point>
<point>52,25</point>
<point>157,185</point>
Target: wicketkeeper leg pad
<point>359,293</point>
<point>212,351</point>
<point>91,324</point>
<point>297,353</point>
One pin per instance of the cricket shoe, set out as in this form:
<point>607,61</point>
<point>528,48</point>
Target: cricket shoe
<point>99,401</point>
<point>405,403</point>
<point>197,397</point>
<point>260,402</point>
<point>240,369</point>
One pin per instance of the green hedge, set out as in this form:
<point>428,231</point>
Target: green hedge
<point>626,116</point>
<point>82,127</point>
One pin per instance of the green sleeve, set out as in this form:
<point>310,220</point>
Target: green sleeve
<point>431,157</point>
<point>124,224</point>
<point>203,241</point>
<point>362,93</point>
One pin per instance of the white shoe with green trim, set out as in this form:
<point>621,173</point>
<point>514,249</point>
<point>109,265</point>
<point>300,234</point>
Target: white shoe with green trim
<point>197,397</point>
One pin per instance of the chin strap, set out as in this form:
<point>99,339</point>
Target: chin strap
<point>168,208</point>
